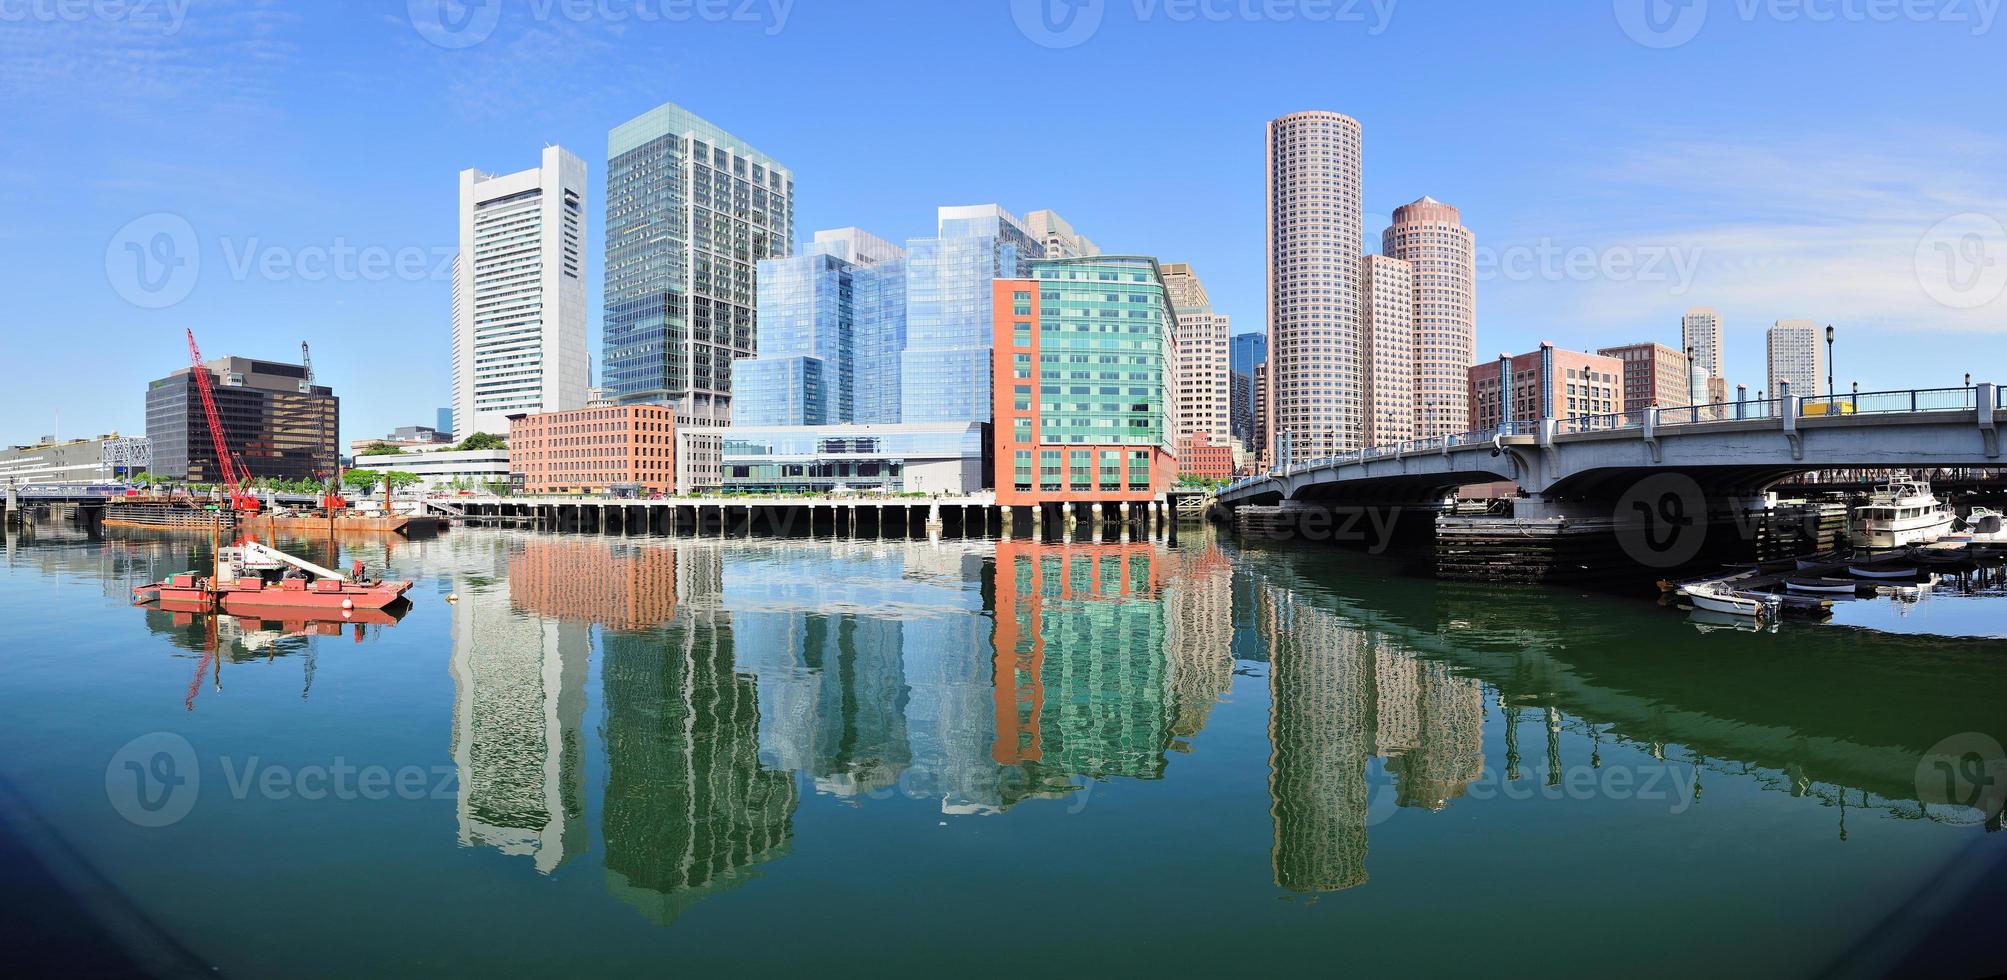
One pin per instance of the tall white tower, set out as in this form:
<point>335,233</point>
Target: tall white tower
<point>519,342</point>
<point>1316,391</point>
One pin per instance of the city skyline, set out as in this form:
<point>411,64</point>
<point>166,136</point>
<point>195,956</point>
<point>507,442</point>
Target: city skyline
<point>1832,231</point>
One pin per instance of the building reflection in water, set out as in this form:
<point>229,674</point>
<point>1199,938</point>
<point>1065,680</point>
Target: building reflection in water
<point>519,707</point>
<point>1082,682</point>
<point>690,808</point>
<point>978,675</point>
<point>1342,696</point>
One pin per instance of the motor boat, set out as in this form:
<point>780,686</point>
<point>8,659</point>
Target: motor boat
<point>1901,514</point>
<point>1984,520</point>
<point>1719,600</point>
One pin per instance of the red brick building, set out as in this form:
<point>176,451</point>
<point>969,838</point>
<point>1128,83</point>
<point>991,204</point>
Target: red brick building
<point>593,450</point>
<point>1547,383</point>
<point>1201,458</point>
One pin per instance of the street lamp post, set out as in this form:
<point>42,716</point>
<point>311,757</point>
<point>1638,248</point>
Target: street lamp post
<point>1829,362</point>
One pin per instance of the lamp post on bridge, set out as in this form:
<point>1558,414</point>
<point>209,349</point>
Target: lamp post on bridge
<point>1829,362</point>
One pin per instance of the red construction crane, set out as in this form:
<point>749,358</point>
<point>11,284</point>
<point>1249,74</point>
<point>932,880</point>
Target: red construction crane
<point>232,484</point>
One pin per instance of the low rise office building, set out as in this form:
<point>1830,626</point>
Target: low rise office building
<point>1654,376</point>
<point>918,457</point>
<point>104,458</point>
<point>441,467</point>
<point>594,450</point>
<point>1547,383</point>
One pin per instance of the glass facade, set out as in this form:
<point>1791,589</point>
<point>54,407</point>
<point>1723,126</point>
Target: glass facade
<point>690,211</point>
<point>876,343</point>
<point>803,375</point>
<point>1088,414</point>
<point>832,324</point>
<point>780,391</point>
<point>272,427</point>
<point>1104,346</point>
<point>945,369</point>
<point>879,458</point>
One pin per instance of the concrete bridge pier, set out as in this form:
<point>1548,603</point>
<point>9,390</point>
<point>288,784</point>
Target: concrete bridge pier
<point>1653,529</point>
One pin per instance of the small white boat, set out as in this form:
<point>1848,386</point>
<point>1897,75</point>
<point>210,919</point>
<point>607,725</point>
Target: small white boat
<point>1734,603</point>
<point>1984,520</point>
<point>1823,586</point>
<point>1817,561</point>
<point>1709,622</point>
<point>1883,571</point>
<point>1901,514</point>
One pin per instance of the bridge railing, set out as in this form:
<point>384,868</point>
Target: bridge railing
<point>1600,423</point>
<point>1852,403</point>
<point>1891,402</point>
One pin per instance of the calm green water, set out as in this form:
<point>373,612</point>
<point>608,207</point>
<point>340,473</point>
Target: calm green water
<point>982,758</point>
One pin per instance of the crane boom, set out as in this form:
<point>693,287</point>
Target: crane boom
<point>239,500</point>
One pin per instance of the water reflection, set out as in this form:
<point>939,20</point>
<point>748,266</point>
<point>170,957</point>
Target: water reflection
<point>738,681</point>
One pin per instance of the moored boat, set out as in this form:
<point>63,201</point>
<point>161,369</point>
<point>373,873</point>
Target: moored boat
<point>1734,603</point>
<point>252,579</point>
<point>1901,514</point>
<point>1885,571</point>
<point>1823,586</point>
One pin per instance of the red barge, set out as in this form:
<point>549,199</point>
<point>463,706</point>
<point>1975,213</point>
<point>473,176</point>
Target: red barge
<point>253,580</point>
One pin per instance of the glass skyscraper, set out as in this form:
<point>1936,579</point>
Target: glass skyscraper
<point>690,211</point>
<point>832,324</point>
<point>945,368</point>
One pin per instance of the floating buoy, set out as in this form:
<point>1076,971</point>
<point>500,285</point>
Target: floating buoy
<point>455,597</point>
<point>347,604</point>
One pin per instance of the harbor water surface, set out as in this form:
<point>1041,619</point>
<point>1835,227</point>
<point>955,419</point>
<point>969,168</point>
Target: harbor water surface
<point>979,758</point>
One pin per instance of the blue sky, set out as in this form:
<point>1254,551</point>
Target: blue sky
<point>1618,160</point>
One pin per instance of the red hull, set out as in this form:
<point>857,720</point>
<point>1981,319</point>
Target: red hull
<point>277,598</point>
